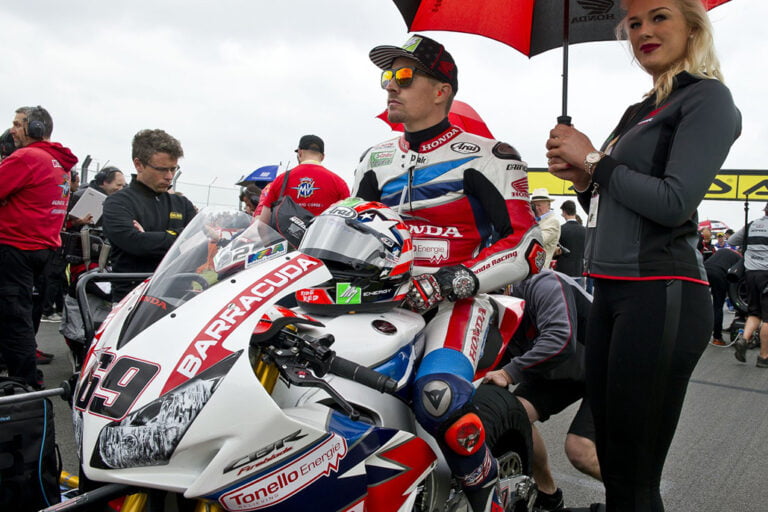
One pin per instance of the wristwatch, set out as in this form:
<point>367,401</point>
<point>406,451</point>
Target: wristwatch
<point>590,162</point>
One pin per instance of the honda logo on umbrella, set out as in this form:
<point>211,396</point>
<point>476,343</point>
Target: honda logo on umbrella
<point>596,6</point>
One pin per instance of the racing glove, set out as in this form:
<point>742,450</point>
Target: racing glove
<point>457,282</point>
<point>423,294</point>
<point>452,283</point>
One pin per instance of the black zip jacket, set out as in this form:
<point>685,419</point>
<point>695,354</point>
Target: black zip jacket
<point>658,172</point>
<point>163,216</point>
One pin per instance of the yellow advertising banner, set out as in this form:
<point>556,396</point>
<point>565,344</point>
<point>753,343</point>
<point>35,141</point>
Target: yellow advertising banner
<point>729,184</point>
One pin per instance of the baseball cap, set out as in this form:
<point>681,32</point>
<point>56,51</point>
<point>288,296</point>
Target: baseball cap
<point>432,56</point>
<point>312,143</point>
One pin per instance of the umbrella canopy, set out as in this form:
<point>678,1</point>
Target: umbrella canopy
<point>260,176</point>
<point>529,26</point>
<point>713,225</point>
<point>461,115</point>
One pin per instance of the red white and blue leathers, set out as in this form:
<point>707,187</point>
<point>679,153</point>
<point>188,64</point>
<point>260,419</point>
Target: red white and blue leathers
<point>466,202</point>
<point>465,199</point>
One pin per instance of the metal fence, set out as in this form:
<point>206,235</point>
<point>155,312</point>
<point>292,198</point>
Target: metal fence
<point>209,195</point>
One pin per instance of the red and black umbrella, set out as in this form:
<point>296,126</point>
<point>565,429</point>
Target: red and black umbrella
<point>529,26</point>
<point>461,115</point>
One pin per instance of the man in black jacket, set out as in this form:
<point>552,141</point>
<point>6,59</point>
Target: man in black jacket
<point>570,260</point>
<point>143,220</point>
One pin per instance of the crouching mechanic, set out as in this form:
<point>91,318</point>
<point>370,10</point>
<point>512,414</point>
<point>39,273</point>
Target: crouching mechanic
<point>547,364</point>
<point>465,201</point>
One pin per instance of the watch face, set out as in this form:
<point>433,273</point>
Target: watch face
<point>593,157</point>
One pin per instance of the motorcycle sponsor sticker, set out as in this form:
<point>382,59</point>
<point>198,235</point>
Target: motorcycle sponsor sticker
<point>379,158</point>
<point>266,254</point>
<point>285,481</point>
<point>313,295</point>
<point>348,294</point>
<point>207,348</point>
<point>465,148</point>
<point>434,251</point>
<point>265,454</point>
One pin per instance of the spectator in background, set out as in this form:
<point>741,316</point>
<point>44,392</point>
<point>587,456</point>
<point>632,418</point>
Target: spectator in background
<point>717,271</point>
<point>250,195</point>
<point>548,222</point>
<point>570,260</point>
<point>254,187</point>
<point>721,242</point>
<point>143,220</point>
<point>34,190</point>
<point>310,185</point>
<point>756,272</point>
<point>7,146</point>
<point>107,181</point>
<point>705,243</point>
<point>74,183</point>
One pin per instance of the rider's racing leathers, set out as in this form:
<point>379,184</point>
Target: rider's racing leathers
<point>465,199</point>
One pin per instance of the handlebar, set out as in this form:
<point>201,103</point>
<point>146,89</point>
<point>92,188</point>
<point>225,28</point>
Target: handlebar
<point>362,375</point>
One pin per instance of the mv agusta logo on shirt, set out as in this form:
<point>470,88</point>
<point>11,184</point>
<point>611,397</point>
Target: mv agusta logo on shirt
<point>305,188</point>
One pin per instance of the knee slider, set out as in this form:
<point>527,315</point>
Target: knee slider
<point>439,399</point>
<point>466,435</point>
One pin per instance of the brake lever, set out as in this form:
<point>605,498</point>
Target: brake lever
<point>298,375</point>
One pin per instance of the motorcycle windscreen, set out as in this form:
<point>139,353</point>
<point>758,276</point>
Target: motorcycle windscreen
<point>217,244</point>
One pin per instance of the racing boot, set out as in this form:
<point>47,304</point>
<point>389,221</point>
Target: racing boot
<point>481,487</point>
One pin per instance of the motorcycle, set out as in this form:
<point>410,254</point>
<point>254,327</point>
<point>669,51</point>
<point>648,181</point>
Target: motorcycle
<point>201,384</point>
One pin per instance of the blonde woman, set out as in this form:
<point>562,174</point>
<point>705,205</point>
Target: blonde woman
<point>652,311</point>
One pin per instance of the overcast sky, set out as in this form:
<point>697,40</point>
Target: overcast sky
<point>239,82</point>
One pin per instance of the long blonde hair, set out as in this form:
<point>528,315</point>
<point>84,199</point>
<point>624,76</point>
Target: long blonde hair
<point>700,57</point>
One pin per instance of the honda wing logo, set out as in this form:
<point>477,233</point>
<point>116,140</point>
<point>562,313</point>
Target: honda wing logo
<point>596,6</point>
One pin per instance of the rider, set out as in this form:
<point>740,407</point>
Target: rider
<point>465,200</point>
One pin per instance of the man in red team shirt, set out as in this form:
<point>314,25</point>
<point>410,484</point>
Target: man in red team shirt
<point>310,185</point>
<point>34,191</point>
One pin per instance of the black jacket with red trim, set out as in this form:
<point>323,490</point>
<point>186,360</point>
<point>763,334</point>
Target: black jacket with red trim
<point>662,160</point>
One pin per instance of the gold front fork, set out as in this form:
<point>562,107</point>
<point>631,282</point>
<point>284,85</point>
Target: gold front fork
<point>266,372</point>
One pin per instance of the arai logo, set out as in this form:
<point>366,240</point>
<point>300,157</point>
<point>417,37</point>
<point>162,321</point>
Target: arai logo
<point>465,147</point>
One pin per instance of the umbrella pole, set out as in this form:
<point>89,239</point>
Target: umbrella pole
<point>746,209</point>
<point>565,118</point>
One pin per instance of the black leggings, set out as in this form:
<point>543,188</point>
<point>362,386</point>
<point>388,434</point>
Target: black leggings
<point>644,340</point>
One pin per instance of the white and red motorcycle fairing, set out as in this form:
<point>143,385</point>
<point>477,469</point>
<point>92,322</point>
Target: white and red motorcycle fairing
<point>168,398</point>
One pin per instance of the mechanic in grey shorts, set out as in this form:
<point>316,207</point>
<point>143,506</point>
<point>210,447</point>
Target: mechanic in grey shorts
<point>546,363</point>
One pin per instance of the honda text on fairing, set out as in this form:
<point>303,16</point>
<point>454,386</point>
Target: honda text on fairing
<point>200,383</point>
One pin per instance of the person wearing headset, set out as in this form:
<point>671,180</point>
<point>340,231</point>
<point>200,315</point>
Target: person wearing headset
<point>34,190</point>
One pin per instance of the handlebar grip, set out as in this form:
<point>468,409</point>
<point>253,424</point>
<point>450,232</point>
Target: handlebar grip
<point>362,375</point>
